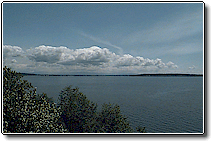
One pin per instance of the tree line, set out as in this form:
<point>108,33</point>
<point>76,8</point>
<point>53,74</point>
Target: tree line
<point>25,111</point>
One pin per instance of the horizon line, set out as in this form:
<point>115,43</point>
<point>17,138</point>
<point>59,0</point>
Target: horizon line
<point>143,74</point>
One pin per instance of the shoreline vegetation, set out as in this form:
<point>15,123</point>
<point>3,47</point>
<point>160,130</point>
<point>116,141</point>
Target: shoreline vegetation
<point>25,111</point>
<point>158,75</point>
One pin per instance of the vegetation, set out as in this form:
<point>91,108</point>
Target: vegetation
<point>112,121</point>
<point>25,111</point>
<point>77,112</point>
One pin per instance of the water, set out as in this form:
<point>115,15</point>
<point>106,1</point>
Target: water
<point>161,104</point>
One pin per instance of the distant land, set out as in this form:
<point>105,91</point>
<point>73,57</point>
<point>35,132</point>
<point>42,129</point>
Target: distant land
<point>161,74</point>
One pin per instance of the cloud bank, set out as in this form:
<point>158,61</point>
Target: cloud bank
<point>93,59</point>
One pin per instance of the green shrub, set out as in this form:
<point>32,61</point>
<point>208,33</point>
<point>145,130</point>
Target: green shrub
<point>23,112</point>
<point>112,121</point>
<point>77,112</point>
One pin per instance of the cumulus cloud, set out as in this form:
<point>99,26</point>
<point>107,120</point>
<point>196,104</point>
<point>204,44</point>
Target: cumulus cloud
<point>88,56</point>
<point>47,54</point>
<point>171,65</point>
<point>62,55</point>
<point>87,59</point>
<point>13,51</point>
<point>93,56</point>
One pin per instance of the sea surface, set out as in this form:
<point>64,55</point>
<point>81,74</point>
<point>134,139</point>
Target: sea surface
<point>160,104</point>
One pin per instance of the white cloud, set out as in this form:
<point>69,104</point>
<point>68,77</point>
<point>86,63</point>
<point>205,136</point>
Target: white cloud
<point>171,65</point>
<point>13,61</point>
<point>192,67</point>
<point>94,59</point>
<point>12,51</point>
<point>62,55</point>
<point>47,54</point>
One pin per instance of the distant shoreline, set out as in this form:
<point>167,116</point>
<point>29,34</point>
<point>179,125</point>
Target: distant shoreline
<point>163,75</point>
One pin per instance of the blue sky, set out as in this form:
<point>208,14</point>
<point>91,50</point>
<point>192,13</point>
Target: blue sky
<point>103,38</point>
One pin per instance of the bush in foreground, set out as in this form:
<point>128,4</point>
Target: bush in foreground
<point>77,112</point>
<point>23,112</point>
<point>80,115</point>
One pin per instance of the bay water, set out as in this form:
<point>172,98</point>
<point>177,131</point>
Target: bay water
<point>160,104</point>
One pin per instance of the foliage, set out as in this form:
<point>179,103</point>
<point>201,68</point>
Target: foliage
<point>46,117</point>
<point>39,97</point>
<point>77,112</point>
<point>141,129</point>
<point>112,121</point>
<point>22,111</point>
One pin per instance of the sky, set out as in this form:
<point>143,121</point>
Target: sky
<point>103,38</point>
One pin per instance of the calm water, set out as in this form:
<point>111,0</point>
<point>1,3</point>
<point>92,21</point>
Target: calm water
<point>161,104</point>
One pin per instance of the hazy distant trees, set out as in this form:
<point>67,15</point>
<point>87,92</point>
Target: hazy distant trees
<point>24,111</point>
